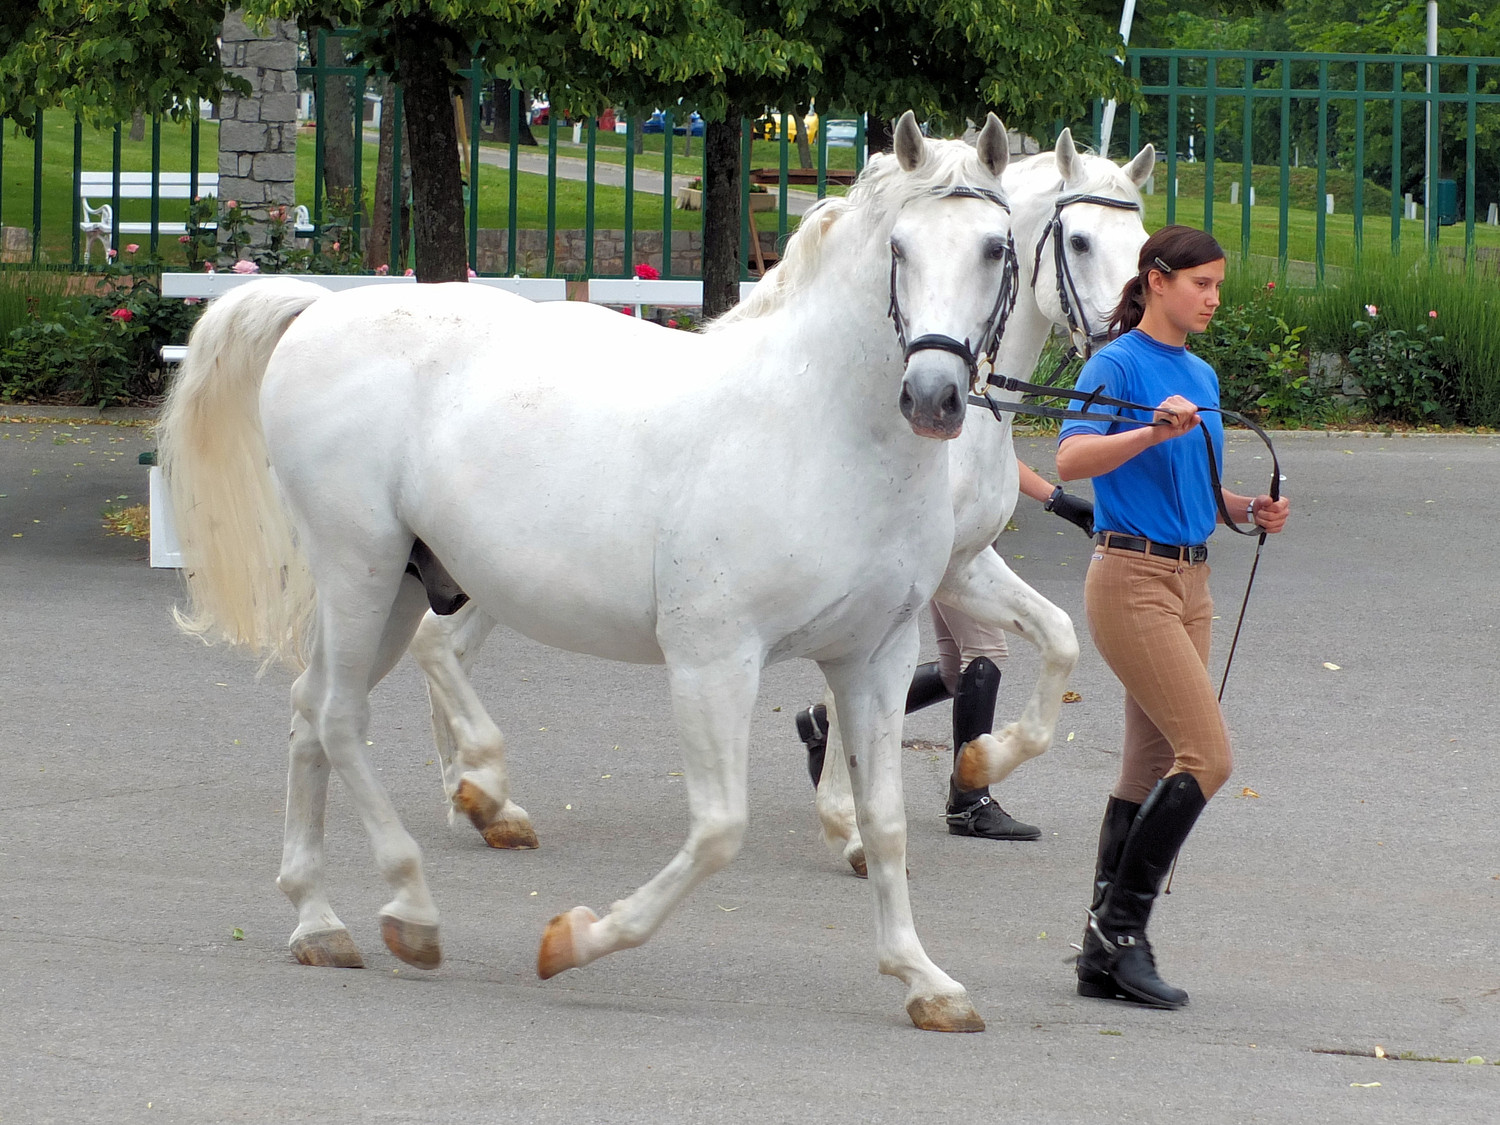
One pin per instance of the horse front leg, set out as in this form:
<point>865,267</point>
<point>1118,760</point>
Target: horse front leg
<point>469,744</point>
<point>989,591</point>
<point>835,799</point>
<point>712,705</point>
<point>871,699</point>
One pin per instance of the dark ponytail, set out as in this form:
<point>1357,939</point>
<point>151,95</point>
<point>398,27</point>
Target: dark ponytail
<point>1169,249</point>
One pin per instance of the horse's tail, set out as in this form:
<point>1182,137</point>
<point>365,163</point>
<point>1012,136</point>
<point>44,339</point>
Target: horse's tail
<point>247,580</point>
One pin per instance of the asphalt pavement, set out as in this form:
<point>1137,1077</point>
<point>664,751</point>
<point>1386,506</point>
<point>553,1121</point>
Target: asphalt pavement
<point>1337,897</point>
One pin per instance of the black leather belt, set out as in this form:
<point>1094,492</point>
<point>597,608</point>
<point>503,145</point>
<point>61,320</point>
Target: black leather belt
<point>1195,554</point>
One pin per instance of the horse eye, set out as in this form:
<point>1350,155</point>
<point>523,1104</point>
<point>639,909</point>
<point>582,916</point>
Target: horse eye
<point>994,249</point>
<point>896,251</point>
<point>1079,243</point>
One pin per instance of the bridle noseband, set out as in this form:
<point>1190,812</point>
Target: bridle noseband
<point>1005,300</point>
<point>1083,337</point>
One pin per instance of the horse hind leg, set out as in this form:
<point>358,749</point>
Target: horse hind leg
<point>712,706</point>
<point>367,613</point>
<point>320,938</point>
<point>470,746</point>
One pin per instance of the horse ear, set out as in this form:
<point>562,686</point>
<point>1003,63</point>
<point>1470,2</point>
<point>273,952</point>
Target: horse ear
<point>1139,169</point>
<point>1066,152</point>
<point>911,148</point>
<point>994,146</point>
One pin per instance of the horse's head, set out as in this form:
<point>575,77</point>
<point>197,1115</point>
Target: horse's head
<point>953,270</point>
<point>1088,235</point>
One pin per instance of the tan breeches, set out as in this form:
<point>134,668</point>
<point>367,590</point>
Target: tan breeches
<point>1150,618</point>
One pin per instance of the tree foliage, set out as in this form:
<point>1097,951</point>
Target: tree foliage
<point>105,59</point>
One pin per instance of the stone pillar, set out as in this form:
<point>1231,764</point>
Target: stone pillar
<point>258,133</point>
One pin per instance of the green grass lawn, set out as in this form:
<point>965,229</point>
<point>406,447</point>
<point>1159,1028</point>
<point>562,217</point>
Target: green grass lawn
<point>16,192</point>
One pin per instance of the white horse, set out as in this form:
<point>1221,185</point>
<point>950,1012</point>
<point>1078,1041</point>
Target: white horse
<point>712,502</point>
<point>1078,229</point>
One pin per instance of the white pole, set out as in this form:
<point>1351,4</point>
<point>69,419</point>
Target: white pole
<point>1427,186</point>
<point>1107,123</point>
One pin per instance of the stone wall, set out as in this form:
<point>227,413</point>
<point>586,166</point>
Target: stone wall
<point>258,134</point>
<point>609,252</point>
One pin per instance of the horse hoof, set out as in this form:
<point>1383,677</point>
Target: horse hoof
<point>416,943</point>
<point>327,949</point>
<point>856,858</point>
<point>499,829</point>
<point>559,948</point>
<point>972,768</point>
<point>944,1013</point>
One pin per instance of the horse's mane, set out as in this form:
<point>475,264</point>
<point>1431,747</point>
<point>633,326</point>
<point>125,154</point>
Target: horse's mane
<point>876,197</point>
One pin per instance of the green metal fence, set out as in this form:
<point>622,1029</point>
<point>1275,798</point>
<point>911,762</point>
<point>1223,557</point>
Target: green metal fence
<point>1296,127</point>
<point>1362,116</point>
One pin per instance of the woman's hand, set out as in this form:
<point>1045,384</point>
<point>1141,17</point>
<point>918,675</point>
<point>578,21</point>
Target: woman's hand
<point>1175,417</point>
<point>1270,515</point>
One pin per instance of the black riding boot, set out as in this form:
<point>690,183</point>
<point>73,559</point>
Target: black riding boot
<point>1093,975</point>
<point>1165,819</point>
<point>926,689</point>
<point>974,812</point>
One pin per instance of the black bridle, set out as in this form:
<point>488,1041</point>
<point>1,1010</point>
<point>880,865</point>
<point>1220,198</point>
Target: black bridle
<point>1080,333</point>
<point>1005,299</point>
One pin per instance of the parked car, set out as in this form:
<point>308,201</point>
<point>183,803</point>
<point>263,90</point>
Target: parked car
<point>541,110</point>
<point>768,126</point>
<point>842,131</point>
<point>657,122</point>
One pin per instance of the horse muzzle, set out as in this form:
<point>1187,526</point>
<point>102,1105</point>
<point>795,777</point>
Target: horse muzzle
<point>934,397</point>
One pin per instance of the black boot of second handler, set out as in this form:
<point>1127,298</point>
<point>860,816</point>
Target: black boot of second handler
<point>974,812</point>
<point>1165,819</point>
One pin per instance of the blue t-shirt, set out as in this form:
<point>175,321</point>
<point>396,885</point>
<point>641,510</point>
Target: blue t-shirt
<point>1163,493</point>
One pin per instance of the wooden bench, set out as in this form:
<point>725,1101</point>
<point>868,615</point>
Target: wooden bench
<point>623,292</point>
<point>98,223</point>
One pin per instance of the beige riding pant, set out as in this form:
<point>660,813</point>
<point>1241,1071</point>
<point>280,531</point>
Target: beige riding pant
<point>1150,618</point>
<point>961,639</point>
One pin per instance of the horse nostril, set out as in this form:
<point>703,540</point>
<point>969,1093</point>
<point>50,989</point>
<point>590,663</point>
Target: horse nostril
<point>908,403</point>
<point>951,402</point>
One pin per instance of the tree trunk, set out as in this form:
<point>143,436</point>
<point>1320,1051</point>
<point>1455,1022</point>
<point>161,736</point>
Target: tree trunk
<point>804,153</point>
<point>524,135</point>
<point>336,121</point>
<point>879,137</point>
<point>721,215</point>
<point>437,182</point>
<point>640,135</point>
<point>378,238</point>
<point>138,126</point>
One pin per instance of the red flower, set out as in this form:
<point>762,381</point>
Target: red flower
<point>122,315</point>
<point>671,324</point>
<point>1270,285</point>
<point>646,271</point>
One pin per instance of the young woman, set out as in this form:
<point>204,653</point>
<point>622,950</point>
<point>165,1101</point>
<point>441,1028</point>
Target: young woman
<point>1147,597</point>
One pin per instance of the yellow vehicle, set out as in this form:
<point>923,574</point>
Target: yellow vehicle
<point>768,127</point>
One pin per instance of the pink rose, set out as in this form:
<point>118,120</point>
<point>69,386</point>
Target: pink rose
<point>132,248</point>
<point>111,253</point>
<point>184,239</point>
<point>122,315</point>
<point>671,324</point>
<point>1372,310</point>
<point>230,205</point>
<point>646,271</point>
<point>473,274</point>
<point>208,267</point>
<point>335,247</point>
<point>410,273</point>
<point>1432,314</point>
<point>191,300</point>
<point>381,271</point>
<point>1270,285</point>
<point>245,265</point>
